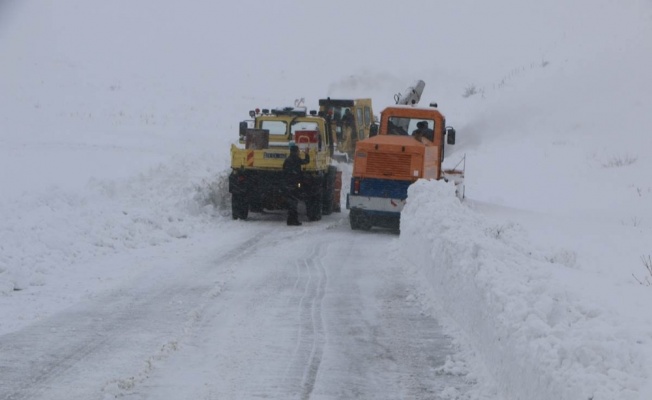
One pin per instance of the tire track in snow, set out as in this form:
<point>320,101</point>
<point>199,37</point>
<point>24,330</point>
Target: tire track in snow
<point>240,252</point>
<point>54,355</point>
<point>309,349</point>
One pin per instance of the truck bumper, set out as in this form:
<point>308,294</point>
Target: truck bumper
<point>378,204</point>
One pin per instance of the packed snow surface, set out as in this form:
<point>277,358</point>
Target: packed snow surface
<point>115,129</point>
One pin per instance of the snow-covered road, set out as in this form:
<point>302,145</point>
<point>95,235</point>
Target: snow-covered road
<point>122,275</point>
<point>285,313</point>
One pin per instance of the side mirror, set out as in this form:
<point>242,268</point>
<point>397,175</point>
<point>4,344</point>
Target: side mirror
<point>450,132</point>
<point>373,130</point>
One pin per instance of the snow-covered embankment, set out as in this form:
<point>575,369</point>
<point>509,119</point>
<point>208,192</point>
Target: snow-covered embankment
<point>539,340</point>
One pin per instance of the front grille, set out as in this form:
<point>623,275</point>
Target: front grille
<point>388,165</point>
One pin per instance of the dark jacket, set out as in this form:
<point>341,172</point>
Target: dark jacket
<point>292,169</point>
<point>429,134</point>
<point>348,118</point>
<point>424,133</point>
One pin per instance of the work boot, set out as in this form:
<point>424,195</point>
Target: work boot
<point>294,223</point>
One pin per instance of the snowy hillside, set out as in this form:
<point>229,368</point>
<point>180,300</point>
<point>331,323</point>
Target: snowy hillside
<point>117,117</point>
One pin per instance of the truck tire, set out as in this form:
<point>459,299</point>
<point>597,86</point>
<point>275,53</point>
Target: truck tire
<point>314,205</point>
<point>329,191</point>
<point>359,221</point>
<point>239,206</point>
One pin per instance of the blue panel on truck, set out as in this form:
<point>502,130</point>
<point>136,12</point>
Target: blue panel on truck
<point>383,188</point>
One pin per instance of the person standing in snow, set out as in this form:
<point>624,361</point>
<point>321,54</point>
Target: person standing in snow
<point>293,174</point>
<point>348,124</point>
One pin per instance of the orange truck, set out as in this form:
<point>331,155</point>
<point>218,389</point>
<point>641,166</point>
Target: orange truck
<point>407,146</point>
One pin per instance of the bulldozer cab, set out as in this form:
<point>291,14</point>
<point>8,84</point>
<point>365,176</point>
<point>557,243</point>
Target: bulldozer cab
<point>350,120</point>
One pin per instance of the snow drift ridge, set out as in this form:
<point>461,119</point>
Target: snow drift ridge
<point>540,341</point>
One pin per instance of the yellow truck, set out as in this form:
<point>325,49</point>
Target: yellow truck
<point>256,182</point>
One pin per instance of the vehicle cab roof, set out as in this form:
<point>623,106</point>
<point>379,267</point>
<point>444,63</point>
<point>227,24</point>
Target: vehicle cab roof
<point>411,112</point>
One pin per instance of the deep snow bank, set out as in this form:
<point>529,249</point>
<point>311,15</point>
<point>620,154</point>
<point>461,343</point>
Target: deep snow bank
<point>45,233</point>
<point>539,340</point>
